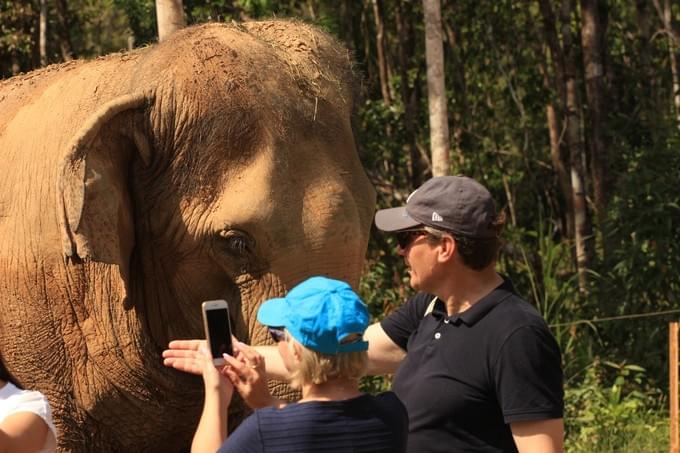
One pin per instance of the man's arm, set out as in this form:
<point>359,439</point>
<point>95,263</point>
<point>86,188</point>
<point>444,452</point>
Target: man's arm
<point>539,436</point>
<point>384,356</point>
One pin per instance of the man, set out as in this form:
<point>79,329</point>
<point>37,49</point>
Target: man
<point>479,369</point>
<point>476,366</point>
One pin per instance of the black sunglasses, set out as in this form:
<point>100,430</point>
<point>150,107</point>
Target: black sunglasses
<point>404,238</point>
<point>278,333</point>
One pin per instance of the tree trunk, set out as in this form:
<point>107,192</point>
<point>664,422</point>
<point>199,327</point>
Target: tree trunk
<point>582,230</point>
<point>436,88</point>
<point>643,38</point>
<point>63,27</point>
<point>43,33</point>
<point>380,51</point>
<point>348,24</point>
<point>365,33</point>
<point>405,42</point>
<point>591,43</point>
<point>667,20</point>
<point>16,65</point>
<point>459,86</point>
<point>559,150</point>
<point>170,17</point>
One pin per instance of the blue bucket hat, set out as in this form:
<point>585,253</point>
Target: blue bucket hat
<point>319,313</point>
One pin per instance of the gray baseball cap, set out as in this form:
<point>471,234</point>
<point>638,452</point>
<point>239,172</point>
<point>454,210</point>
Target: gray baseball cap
<point>454,203</point>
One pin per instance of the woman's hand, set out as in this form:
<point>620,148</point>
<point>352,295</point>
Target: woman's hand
<point>215,378</point>
<point>248,375</point>
<point>245,370</point>
<point>193,356</point>
<point>183,355</point>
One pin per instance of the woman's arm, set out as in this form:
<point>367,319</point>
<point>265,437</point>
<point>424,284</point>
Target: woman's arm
<point>212,427</point>
<point>23,432</point>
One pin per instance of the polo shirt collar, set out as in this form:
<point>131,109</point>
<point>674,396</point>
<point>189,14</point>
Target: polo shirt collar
<point>484,305</point>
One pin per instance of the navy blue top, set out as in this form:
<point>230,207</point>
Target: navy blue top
<point>363,424</point>
<point>466,377</point>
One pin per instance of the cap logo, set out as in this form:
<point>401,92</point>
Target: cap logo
<point>436,217</point>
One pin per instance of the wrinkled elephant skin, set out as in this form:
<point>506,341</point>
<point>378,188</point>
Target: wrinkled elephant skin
<point>218,164</point>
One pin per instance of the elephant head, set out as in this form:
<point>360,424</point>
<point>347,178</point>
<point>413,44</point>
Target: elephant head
<point>221,166</point>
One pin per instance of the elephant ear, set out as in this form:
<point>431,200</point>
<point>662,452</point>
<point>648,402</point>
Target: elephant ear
<point>95,212</point>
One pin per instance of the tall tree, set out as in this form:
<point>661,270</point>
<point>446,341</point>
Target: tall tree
<point>664,13</point>
<point>582,229</point>
<point>409,94</point>
<point>592,33</point>
<point>43,33</point>
<point>63,28</point>
<point>436,88</point>
<point>565,67</point>
<point>170,17</point>
<point>348,23</point>
<point>383,71</point>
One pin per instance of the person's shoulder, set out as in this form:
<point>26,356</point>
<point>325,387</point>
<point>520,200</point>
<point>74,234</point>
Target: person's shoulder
<point>388,397</point>
<point>514,310</point>
<point>390,401</point>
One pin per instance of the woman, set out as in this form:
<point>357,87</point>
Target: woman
<point>25,418</point>
<point>318,327</point>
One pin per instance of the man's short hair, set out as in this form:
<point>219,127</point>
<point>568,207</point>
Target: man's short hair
<point>318,368</point>
<point>476,253</point>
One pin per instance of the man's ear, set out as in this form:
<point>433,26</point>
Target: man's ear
<point>94,207</point>
<point>447,248</point>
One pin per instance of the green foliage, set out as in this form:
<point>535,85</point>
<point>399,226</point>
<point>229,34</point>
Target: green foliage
<point>612,409</point>
<point>16,35</point>
<point>13,35</point>
<point>141,16</point>
<point>105,27</point>
<point>640,273</point>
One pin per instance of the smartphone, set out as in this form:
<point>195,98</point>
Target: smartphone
<point>217,329</point>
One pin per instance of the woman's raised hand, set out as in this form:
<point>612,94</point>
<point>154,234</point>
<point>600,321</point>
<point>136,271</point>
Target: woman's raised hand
<point>246,370</point>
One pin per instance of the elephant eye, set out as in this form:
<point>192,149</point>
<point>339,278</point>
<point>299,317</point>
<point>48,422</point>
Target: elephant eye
<point>236,242</point>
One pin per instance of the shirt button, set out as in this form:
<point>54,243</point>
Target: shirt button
<point>437,336</point>
<point>446,321</point>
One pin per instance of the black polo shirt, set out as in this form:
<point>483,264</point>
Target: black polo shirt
<point>466,377</point>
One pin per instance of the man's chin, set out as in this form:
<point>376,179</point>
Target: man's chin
<point>413,282</point>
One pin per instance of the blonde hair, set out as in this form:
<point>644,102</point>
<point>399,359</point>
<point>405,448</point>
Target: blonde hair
<point>317,368</point>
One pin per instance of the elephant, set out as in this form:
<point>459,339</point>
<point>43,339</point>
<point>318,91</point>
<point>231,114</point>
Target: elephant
<point>218,164</point>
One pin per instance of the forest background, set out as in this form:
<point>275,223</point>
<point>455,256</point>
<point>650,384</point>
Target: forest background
<point>569,111</point>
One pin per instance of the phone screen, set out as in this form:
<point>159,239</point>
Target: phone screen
<point>220,336</point>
